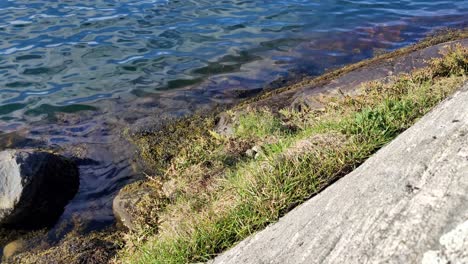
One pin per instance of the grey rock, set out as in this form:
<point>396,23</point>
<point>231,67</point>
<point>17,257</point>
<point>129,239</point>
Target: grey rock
<point>250,153</point>
<point>225,125</point>
<point>258,152</point>
<point>126,202</point>
<point>406,204</point>
<point>34,187</point>
<point>255,152</point>
<point>257,149</point>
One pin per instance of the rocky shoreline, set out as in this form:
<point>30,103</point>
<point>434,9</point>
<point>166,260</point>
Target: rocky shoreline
<point>157,148</point>
<point>255,127</point>
<point>306,94</point>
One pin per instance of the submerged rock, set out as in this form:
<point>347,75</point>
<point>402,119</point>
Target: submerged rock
<point>34,187</point>
<point>93,248</point>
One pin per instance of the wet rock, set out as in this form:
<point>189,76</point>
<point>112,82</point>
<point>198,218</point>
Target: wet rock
<point>136,205</point>
<point>35,186</point>
<point>350,80</point>
<point>122,207</point>
<point>243,93</point>
<point>13,248</point>
<point>16,140</point>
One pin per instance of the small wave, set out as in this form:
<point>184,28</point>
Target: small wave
<point>38,93</point>
<point>86,99</point>
<point>42,16</point>
<point>20,22</point>
<point>94,19</point>
<point>130,59</point>
<point>150,2</point>
<point>79,7</point>
<point>15,49</point>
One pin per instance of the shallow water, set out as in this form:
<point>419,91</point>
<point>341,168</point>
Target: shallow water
<point>73,74</point>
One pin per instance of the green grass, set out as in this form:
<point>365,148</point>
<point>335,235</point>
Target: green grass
<point>215,195</point>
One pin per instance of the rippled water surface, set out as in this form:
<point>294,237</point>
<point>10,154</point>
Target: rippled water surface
<point>74,72</point>
<point>55,55</point>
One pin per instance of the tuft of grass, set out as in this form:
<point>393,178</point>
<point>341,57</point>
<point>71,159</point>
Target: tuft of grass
<point>215,195</point>
<point>257,124</point>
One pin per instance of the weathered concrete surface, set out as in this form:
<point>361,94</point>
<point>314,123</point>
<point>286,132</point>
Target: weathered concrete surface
<point>453,249</point>
<point>406,204</point>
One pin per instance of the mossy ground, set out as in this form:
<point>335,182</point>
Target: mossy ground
<point>68,242</point>
<point>94,248</point>
<point>215,190</point>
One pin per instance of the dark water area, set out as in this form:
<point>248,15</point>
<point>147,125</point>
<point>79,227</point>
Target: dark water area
<point>75,74</point>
